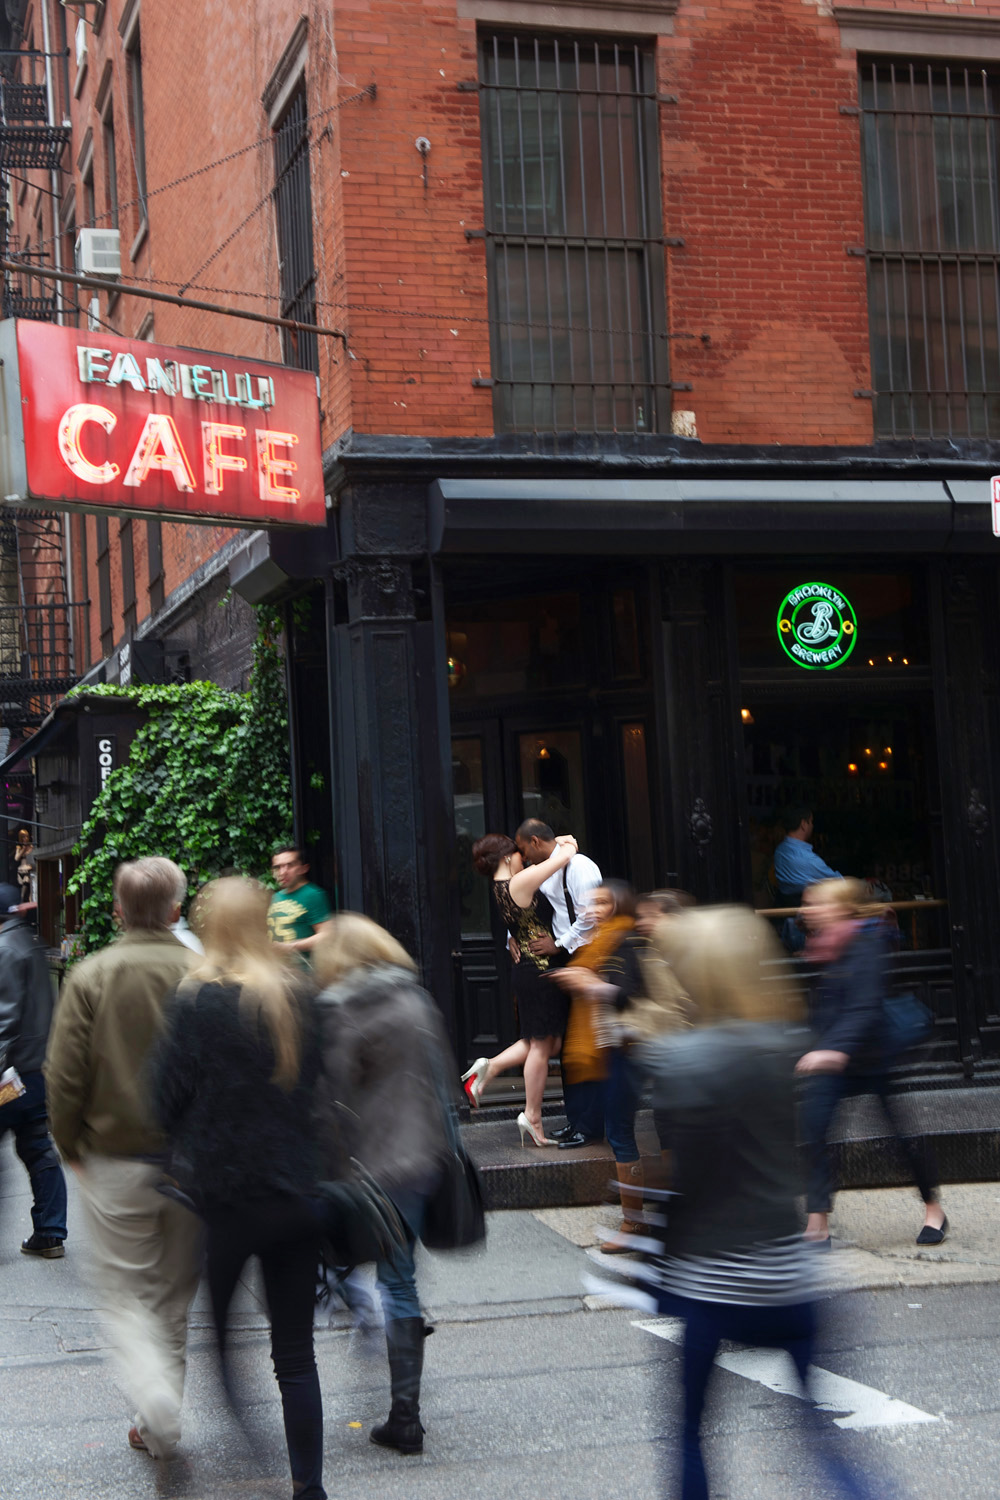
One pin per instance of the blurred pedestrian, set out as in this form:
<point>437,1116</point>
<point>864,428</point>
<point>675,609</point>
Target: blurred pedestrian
<point>541,1007</point>
<point>27,997</point>
<point>603,979</point>
<point>299,913</point>
<point>385,1059</point>
<point>180,929</point>
<point>235,1079</point>
<point>733,1265</point>
<point>145,1246</point>
<point>24,863</point>
<point>850,945</point>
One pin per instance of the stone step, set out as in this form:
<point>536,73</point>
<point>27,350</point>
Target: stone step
<point>962,1127</point>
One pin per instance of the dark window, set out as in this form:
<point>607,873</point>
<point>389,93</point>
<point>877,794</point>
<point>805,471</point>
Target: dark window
<point>68,294</point>
<point>933,248</point>
<point>125,543</point>
<point>573,235</point>
<point>104,586</point>
<point>110,170</point>
<point>293,210</point>
<point>138,125</point>
<point>154,551</point>
<point>89,205</point>
<point>83,632</point>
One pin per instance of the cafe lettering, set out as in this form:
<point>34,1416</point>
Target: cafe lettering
<point>130,426</point>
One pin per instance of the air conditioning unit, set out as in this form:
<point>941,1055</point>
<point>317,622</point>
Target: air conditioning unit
<point>81,44</point>
<point>98,253</point>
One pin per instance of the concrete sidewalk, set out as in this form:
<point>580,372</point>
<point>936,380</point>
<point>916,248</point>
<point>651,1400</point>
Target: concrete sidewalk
<point>962,1127</point>
<point>874,1230</point>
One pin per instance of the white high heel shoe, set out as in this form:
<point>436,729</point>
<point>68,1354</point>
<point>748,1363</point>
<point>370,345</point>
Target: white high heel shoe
<point>525,1125</point>
<point>475,1080</point>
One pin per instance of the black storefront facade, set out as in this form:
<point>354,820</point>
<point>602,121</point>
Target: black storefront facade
<point>596,640</point>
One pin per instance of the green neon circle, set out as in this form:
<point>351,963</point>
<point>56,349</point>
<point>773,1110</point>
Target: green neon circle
<point>804,608</point>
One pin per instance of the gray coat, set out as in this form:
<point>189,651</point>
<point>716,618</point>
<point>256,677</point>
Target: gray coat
<point>382,1040</point>
<point>27,998</point>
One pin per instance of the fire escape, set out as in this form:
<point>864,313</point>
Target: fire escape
<point>36,614</point>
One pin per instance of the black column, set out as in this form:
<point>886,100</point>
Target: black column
<point>388,696</point>
<point>698,726</point>
<point>967,711</point>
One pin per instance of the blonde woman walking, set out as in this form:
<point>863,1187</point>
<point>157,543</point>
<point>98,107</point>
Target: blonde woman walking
<point>234,1090</point>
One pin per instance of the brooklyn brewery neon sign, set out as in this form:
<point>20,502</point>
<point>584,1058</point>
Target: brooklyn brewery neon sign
<point>817,626</point>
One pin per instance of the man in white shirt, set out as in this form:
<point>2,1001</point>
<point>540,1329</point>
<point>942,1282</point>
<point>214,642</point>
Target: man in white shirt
<point>568,893</point>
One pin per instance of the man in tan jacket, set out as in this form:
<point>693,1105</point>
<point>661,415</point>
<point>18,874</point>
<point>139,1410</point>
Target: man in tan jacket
<point>145,1246</point>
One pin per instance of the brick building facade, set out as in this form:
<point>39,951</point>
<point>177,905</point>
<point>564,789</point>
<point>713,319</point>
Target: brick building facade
<point>655,312</point>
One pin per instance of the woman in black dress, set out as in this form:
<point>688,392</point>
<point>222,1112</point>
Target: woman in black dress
<point>541,1007</point>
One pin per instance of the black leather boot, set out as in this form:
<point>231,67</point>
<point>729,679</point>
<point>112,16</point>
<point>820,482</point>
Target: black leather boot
<point>404,1339</point>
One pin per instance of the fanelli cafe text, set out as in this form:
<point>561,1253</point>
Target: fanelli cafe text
<point>93,422</point>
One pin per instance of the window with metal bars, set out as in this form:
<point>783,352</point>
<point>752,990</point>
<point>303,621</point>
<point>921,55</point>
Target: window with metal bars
<point>932,217</point>
<point>103,559</point>
<point>573,235</point>
<point>293,211</point>
<point>126,548</point>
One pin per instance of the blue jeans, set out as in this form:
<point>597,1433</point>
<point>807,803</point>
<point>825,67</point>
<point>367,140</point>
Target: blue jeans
<point>28,1118</point>
<point>792,1328</point>
<point>620,1105</point>
<point>396,1277</point>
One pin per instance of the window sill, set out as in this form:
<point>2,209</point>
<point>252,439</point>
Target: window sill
<point>649,17</point>
<point>898,33</point>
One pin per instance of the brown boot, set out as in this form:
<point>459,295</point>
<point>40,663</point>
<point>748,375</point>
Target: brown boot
<point>630,1185</point>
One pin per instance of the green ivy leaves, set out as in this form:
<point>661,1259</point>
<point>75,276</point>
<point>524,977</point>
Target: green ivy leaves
<point>207,783</point>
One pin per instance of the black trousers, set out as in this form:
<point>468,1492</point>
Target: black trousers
<point>820,1097</point>
<point>283,1232</point>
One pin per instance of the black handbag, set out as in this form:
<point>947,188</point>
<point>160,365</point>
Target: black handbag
<point>454,1212</point>
<point>360,1223</point>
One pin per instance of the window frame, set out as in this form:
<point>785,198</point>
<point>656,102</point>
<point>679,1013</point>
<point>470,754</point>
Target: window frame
<point>651,344</point>
<point>930,318</point>
<point>293,223</point>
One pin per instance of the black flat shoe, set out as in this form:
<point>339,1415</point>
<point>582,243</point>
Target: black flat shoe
<point>563,1134</point>
<point>576,1139</point>
<point>929,1236</point>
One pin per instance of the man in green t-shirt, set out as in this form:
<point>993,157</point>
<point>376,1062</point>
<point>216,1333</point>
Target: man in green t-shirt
<point>299,913</point>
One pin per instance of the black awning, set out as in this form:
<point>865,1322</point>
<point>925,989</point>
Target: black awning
<point>50,729</point>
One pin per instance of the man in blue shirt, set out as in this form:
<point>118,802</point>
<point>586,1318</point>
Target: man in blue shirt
<point>796,865</point>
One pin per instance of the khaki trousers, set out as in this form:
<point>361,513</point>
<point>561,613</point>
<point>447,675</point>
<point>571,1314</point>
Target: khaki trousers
<point>146,1263</point>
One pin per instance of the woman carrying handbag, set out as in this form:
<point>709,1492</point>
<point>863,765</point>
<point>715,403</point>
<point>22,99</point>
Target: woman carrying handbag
<point>852,1028</point>
<point>379,1103</point>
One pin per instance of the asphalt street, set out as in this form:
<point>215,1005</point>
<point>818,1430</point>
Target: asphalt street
<point>534,1387</point>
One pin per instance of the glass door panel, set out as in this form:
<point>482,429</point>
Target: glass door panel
<point>638,813</point>
<point>551,764</point>
<point>470,825</point>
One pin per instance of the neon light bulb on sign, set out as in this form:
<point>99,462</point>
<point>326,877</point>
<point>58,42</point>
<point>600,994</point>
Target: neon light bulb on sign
<point>269,464</point>
<point>817,626</point>
<point>217,462</point>
<point>69,442</point>
<point>159,447</point>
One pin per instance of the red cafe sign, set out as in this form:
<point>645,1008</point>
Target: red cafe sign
<point>93,421</point>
